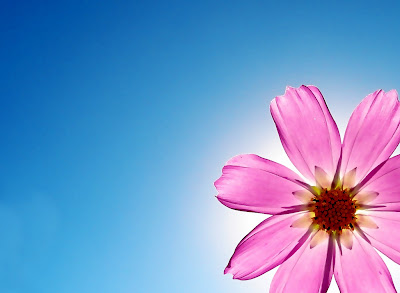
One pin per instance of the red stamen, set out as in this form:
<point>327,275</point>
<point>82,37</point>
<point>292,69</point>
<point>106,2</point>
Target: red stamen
<point>334,210</point>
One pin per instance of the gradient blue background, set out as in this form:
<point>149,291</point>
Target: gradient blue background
<point>116,117</point>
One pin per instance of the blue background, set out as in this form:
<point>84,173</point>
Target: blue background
<point>116,118</point>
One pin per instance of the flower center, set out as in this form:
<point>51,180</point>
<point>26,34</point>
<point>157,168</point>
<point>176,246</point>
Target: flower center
<point>334,210</point>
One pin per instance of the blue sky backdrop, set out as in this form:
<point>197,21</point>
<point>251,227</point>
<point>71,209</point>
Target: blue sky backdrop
<point>116,118</point>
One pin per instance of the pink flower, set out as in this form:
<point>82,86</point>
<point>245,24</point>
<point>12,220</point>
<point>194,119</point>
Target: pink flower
<point>331,224</point>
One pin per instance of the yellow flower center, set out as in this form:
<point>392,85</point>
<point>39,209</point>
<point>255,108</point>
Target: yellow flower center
<point>334,210</point>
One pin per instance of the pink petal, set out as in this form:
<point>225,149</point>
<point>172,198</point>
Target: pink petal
<point>386,238</point>
<point>384,183</point>
<point>307,130</point>
<point>346,238</point>
<point>308,270</point>
<point>251,183</point>
<point>372,133</point>
<point>265,247</point>
<point>361,269</point>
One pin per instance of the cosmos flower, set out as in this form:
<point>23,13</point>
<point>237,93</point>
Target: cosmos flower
<point>331,221</point>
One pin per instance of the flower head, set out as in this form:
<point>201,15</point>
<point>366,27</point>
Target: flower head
<point>329,222</point>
